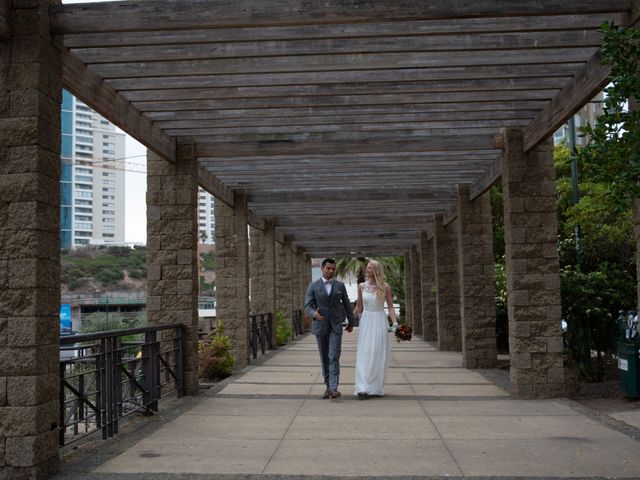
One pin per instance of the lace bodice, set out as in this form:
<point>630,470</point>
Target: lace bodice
<point>370,301</point>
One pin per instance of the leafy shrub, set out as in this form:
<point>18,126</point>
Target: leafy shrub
<point>215,360</point>
<point>283,328</point>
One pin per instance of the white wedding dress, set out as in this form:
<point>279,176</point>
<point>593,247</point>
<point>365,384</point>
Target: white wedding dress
<point>372,354</point>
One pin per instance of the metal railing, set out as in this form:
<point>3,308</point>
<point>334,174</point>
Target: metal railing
<point>297,323</point>
<point>261,329</point>
<point>108,375</point>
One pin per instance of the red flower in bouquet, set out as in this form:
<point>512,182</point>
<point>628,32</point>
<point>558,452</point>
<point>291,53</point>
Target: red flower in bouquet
<point>403,333</point>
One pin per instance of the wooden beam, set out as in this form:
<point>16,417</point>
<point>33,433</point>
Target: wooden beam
<point>92,90</point>
<point>214,186</point>
<point>189,14</point>
<point>450,215</point>
<point>584,86</point>
<point>264,148</point>
<point>486,181</point>
<point>347,195</point>
<point>256,221</point>
<point>5,19</point>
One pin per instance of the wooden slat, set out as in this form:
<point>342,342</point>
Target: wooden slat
<point>5,19</point>
<point>441,110</point>
<point>257,149</point>
<point>345,100</point>
<point>90,88</point>
<point>186,14</point>
<point>449,119</point>
<point>478,126</point>
<point>357,219</point>
<point>475,72</point>
<point>439,43</point>
<point>368,88</point>
<point>365,61</point>
<point>577,21</point>
<point>214,186</point>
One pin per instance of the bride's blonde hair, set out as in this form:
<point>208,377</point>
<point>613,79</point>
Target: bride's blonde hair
<point>378,278</point>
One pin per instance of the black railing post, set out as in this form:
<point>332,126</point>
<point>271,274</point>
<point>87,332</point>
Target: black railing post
<point>147,370</point>
<point>177,346</point>
<point>254,337</point>
<point>61,415</point>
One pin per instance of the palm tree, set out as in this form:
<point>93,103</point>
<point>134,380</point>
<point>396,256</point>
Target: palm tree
<point>393,271</point>
<point>355,266</point>
<point>203,236</point>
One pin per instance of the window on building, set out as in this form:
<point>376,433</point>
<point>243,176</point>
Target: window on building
<point>108,197</point>
<point>108,189</point>
<point>108,235</point>
<point>108,220</point>
<point>83,202</point>
<point>83,178</point>
<point>108,212</point>
<point>82,226</point>
<point>84,194</point>
<point>108,227</point>
<point>108,182</point>
<point>84,210</point>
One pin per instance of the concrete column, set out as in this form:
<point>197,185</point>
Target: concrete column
<point>533,269</point>
<point>416,291</point>
<point>477,287</point>
<point>408,294</point>
<point>284,280</point>
<point>172,245</point>
<point>447,284</point>
<point>232,275</point>
<point>30,95</point>
<point>427,288</point>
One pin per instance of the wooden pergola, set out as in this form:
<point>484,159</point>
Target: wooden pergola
<point>333,128</point>
<point>355,117</point>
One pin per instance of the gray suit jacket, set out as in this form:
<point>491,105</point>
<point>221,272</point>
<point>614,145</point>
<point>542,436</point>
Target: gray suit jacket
<point>332,307</point>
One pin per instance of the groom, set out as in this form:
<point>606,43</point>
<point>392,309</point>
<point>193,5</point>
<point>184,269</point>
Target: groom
<point>327,302</point>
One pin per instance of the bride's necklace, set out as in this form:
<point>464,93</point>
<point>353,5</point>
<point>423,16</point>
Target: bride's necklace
<point>370,287</point>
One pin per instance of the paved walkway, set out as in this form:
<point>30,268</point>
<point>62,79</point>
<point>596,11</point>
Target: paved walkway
<point>436,420</point>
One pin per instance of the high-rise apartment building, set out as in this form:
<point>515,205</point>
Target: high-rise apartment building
<point>206,219</point>
<point>92,180</point>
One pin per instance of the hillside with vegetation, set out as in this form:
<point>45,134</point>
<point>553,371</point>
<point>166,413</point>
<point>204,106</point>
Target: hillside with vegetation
<point>104,268</point>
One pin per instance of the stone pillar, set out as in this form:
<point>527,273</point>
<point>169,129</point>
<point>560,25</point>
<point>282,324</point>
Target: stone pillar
<point>30,96</point>
<point>477,287</point>
<point>447,284</point>
<point>301,286</point>
<point>232,275</point>
<point>284,281</point>
<point>427,288</point>
<point>408,294</point>
<point>416,291</point>
<point>533,269</point>
<point>172,244</point>
<point>263,272</point>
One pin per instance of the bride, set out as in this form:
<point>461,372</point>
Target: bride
<point>372,354</point>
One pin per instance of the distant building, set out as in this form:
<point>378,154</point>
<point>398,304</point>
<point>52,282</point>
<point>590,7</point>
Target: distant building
<point>206,219</point>
<point>92,179</point>
<point>587,115</point>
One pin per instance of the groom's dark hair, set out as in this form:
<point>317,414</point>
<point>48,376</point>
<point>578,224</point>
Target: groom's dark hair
<point>328,260</point>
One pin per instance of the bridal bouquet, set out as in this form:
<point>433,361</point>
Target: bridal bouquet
<point>403,333</point>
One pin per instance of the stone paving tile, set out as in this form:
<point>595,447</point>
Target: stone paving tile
<point>491,408</point>
<point>259,376</point>
<point>568,457</point>
<point>246,407</point>
<point>355,457</point>
<point>520,427</point>
<point>374,407</point>
<point>460,377</point>
<point>264,389</point>
<point>221,456</point>
<point>459,391</point>
<point>362,428</point>
<point>198,428</point>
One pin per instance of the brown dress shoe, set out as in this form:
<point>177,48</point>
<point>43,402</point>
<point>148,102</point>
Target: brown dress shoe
<point>327,393</point>
<point>336,395</point>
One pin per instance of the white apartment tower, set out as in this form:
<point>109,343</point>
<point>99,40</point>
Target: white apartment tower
<point>206,219</point>
<point>92,179</point>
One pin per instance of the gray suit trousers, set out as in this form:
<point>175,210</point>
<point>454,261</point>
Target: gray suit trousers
<point>329,347</point>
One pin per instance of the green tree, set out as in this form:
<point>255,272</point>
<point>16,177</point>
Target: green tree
<point>601,280</point>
